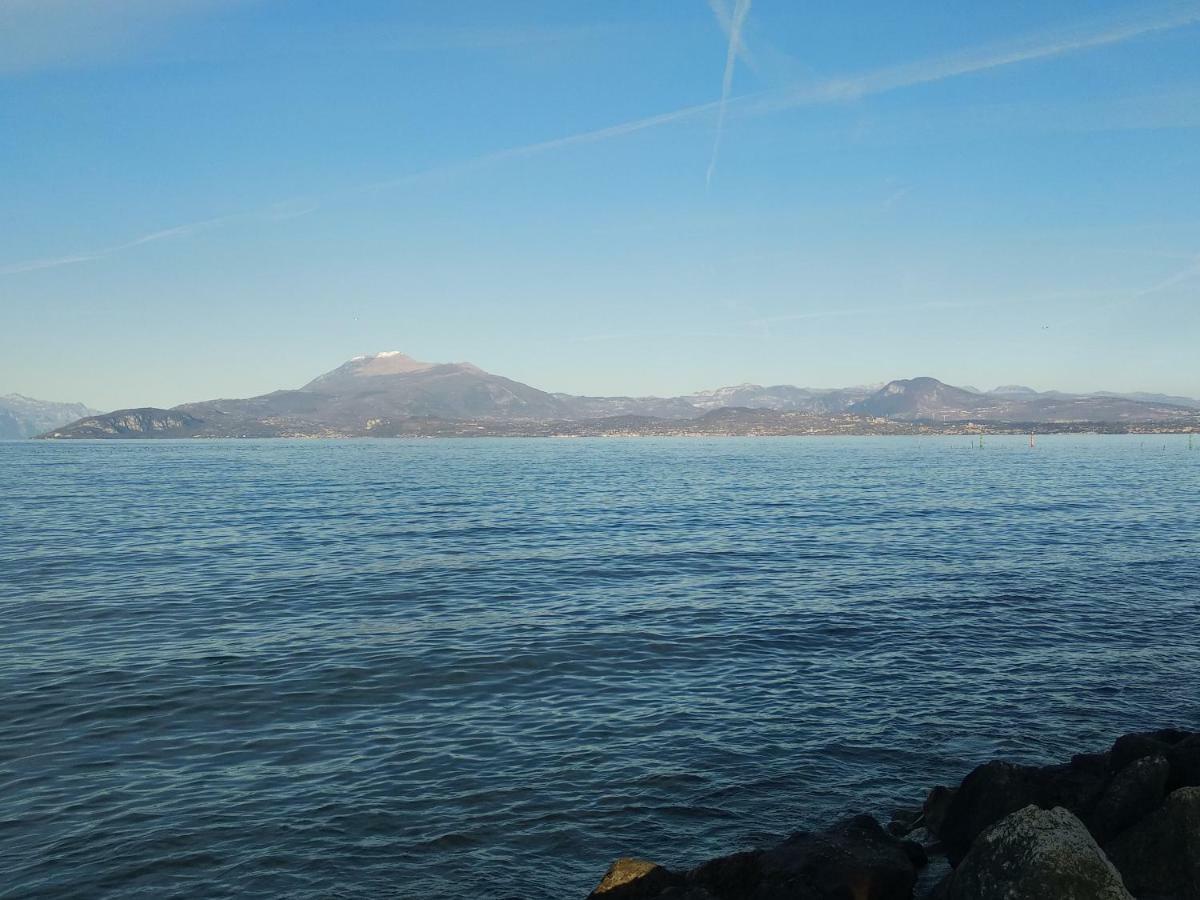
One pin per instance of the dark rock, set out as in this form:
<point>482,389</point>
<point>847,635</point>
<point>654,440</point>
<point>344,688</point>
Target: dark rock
<point>1184,758</point>
<point>856,858</point>
<point>936,805</point>
<point>735,875</point>
<point>1159,857</point>
<point>926,841</point>
<point>1090,762</point>
<point>1134,792</point>
<point>1181,749</point>
<point>991,792</point>
<point>941,889</point>
<point>916,853</point>
<point>997,789</point>
<point>934,881</point>
<point>1036,854</point>
<point>1131,747</point>
<point>1119,793</point>
<point>904,820</point>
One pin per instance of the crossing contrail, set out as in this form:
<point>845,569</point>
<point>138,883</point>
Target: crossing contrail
<point>740,10</point>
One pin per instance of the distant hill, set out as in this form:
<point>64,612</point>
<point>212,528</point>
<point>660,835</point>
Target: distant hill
<point>1143,397</point>
<point>922,398</point>
<point>929,400</point>
<point>24,417</point>
<point>390,394</point>
<point>133,423</point>
<point>381,387</point>
<point>780,397</point>
<point>1013,390</point>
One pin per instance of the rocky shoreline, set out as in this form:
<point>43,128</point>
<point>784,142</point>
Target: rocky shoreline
<point>1123,824</point>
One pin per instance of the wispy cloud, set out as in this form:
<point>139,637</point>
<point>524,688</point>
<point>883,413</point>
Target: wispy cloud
<point>1117,299</point>
<point>760,328</point>
<point>432,39</point>
<point>526,150</point>
<point>44,34</point>
<point>53,262</point>
<point>968,62</point>
<point>842,89</point>
<point>765,59</point>
<point>1184,275</point>
<point>812,315</point>
<point>741,9</point>
<point>654,336</point>
<point>896,196</point>
<point>835,90</point>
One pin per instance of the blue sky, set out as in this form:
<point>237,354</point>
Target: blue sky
<point>209,198</point>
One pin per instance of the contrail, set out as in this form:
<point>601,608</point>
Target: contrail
<point>740,10</point>
<point>834,90</point>
<point>53,262</point>
<point>967,62</point>
<point>724,17</point>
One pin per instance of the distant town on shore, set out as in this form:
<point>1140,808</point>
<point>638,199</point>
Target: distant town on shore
<point>393,395</point>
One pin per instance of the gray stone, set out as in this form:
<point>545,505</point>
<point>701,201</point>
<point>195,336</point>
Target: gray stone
<point>630,878</point>
<point>1036,854</point>
<point>998,789</point>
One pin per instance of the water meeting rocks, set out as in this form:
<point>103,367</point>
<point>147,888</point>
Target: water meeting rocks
<point>631,879</point>
<point>1105,826</point>
<point>854,858</point>
<point>1181,749</point>
<point>998,789</point>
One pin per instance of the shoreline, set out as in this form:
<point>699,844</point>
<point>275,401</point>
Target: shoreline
<point>1119,824</point>
<point>471,431</point>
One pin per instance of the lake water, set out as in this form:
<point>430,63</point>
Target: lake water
<point>487,668</point>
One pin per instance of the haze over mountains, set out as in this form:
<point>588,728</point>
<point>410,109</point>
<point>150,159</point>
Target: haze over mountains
<point>23,417</point>
<point>387,394</point>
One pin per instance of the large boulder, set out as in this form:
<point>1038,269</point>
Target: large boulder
<point>634,879</point>
<point>998,789</point>
<point>1036,854</point>
<point>1130,747</point>
<point>1133,793</point>
<point>937,804</point>
<point>1180,748</point>
<point>855,859</point>
<point>1159,857</point>
<point>1184,758</point>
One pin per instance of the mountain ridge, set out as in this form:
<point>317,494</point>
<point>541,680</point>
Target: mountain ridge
<point>392,393</point>
<point>24,417</point>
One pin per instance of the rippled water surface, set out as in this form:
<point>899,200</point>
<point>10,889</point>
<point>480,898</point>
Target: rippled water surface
<point>487,668</point>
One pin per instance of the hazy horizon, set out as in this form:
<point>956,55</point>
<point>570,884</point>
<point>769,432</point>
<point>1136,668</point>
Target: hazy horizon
<point>220,198</point>
<point>989,388</point>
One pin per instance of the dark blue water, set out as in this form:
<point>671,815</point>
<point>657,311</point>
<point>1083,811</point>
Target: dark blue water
<point>487,668</point>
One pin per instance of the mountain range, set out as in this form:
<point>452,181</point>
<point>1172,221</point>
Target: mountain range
<point>388,394</point>
<point>23,417</point>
